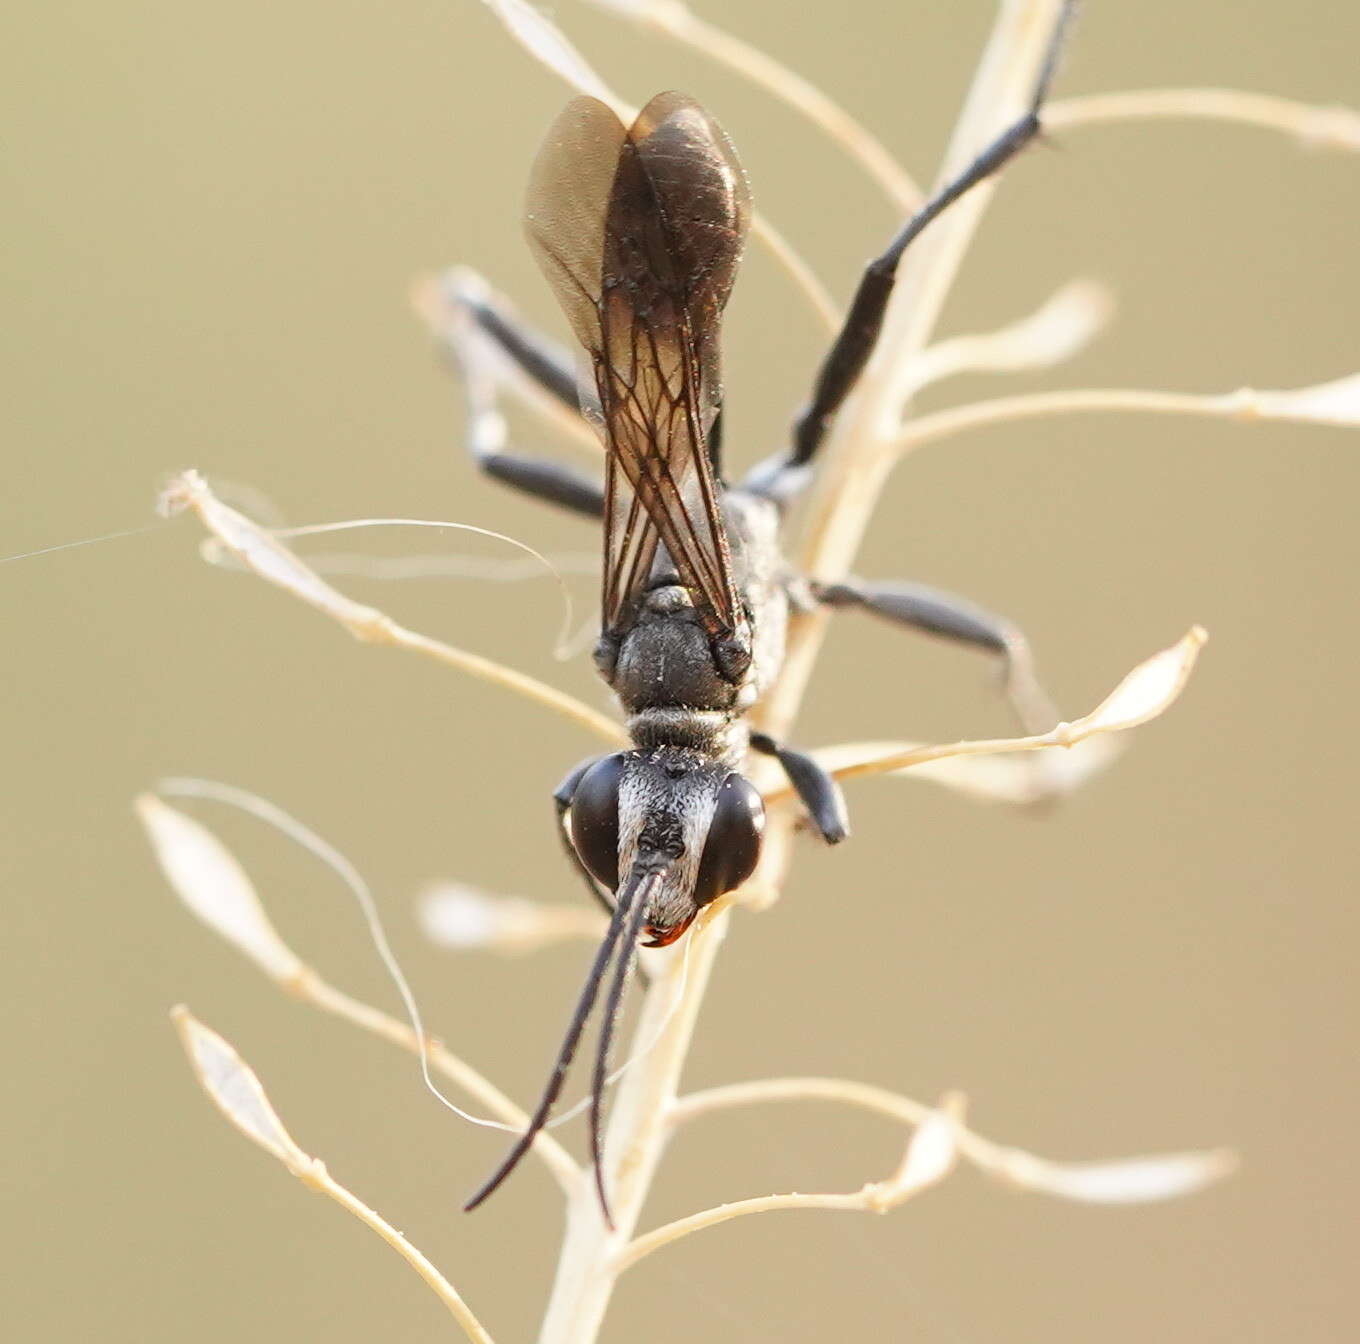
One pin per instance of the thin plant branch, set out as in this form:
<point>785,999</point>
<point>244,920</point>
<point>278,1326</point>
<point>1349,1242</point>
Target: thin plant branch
<point>929,1157</point>
<point>1122,1180</point>
<point>1018,780</point>
<point>678,21</point>
<point>264,555</point>
<point>1055,332</point>
<point>1149,690</point>
<point>455,915</point>
<point>209,880</point>
<point>759,1091</point>
<point>479,568</point>
<point>1326,127</point>
<point>549,45</point>
<point>871,1199</point>
<point>319,1179</point>
<point>546,566</point>
<point>803,276</point>
<point>1336,403</point>
<point>234,1089</point>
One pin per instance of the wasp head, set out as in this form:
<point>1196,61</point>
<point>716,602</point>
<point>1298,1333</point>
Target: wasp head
<point>667,830</point>
<point>671,811</point>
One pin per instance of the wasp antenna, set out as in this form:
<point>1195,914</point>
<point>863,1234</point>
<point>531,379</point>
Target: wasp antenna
<point>564,1055</point>
<point>637,910</point>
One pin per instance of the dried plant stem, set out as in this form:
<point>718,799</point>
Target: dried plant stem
<point>906,758</point>
<point>845,495</point>
<point>880,1100</point>
<point>860,1201</point>
<point>1143,694</point>
<point>1014,1166</point>
<point>930,1155</point>
<point>316,1177</point>
<point>233,1087</point>
<point>1052,333</point>
<point>799,271</point>
<point>759,1090</point>
<point>1332,127</point>
<point>384,630</point>
<point>261,552</point>
<point>1244,404</point>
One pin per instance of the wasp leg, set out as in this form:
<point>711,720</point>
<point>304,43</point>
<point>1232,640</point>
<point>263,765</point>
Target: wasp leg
<point>819,792</point>
<point>549,481</point>
<point>939,613</point>
<point>783,477</point>
<point>470,318</point>
<point>544,362</point>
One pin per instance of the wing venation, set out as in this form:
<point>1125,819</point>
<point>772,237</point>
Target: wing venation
<point>639,232</point>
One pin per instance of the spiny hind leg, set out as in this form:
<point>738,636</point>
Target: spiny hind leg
<point>477,332</point>
<point>947,616</point>
<point>782,478</point>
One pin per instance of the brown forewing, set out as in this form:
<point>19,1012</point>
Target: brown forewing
<point>639,233</point>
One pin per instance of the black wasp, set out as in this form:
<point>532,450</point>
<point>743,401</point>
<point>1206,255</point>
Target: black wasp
<point>639,231</point>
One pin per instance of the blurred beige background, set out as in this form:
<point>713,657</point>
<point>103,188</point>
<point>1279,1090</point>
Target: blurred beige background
<point>214,215</point>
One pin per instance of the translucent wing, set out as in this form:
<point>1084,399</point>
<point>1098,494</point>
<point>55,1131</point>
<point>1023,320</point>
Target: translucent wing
<point>639,232</point>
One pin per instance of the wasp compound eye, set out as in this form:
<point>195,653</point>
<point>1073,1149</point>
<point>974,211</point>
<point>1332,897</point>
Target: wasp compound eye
<point>733,843</point>
<point>595,819</point>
